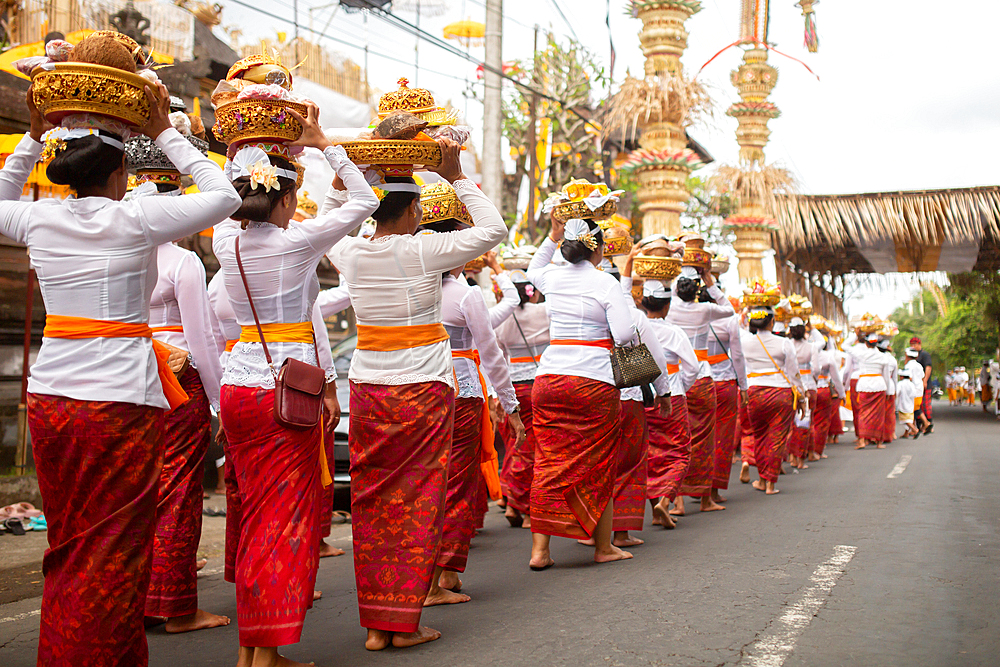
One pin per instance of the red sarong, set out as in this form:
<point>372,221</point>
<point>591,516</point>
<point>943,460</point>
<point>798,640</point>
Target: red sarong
<point>400,445</point>
<point>889,430</point>
<point>576,432</point>
<point>854,405</point>
<point>669,449</point>
<point>277,471</point>
<point>173,586</point>
<point>746,438</point>
<point>519,462</point>
<point>771,412</point>
<point>234,514</point>
<point>870,416</point>
<point>926,406</point>
<point>799,438</point>
<point>701,415</point>
<point>462,502</point>
<point>98,466</point>
<point>326,500</point>
<point>727,399</point>
<point>630,484</point>
<point>822,415</point>
<point>836,422</point>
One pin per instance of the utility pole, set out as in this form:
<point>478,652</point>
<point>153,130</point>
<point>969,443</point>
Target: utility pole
<point>492,113</point>
<point>532,142</point>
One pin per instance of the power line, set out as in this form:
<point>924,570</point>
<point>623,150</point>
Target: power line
<point>341,41</point>
<point>555,3</point>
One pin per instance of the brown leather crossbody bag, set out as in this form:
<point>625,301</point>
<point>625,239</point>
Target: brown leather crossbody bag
<point>298,387</point>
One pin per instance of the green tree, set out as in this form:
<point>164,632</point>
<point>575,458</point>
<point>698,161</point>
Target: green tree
<point>706,211</point>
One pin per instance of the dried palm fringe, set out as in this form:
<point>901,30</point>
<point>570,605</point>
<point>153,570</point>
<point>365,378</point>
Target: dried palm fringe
<point>919,218</point>
<point>748,183</point>
<point>656,99</point>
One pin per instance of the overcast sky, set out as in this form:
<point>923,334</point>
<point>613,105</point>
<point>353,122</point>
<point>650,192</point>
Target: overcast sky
<point>907,97</point>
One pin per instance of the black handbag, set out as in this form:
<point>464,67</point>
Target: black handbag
<point>633,365</point>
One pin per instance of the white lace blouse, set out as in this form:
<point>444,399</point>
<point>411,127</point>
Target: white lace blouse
<point>584,304</point>
<point>281,269</point>
<point>693,318</point>
<point>96,258</point>
<point>533,320</point>
<point>395,281</point>
<point>180,298</point>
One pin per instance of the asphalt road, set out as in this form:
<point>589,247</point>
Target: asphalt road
<point>846,566</point>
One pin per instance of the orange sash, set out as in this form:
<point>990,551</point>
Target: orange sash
<point>717,358</point>
<point>673,368</point>
<point>870,375</point>
<point>174,329</point>
<point>525,360</point>
<point>758,375</point>
<point>488,458</point>
<point>804,371</point>
<point>390,339</point>
<point>604,342</point>
<point>230,344</point>
<point>701,354</point>
<point>77,328</point>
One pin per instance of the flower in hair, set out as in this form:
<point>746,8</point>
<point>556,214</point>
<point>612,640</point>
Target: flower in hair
<point>264,174</point>
<point>54,144</point>
<point>379,192</point>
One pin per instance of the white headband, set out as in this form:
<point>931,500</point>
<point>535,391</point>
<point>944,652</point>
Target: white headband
<point>397,187</point>
<point>575,228</point>
<point>690,272</point>
<point>655,289</point>
<point>252,161</point>
<point>796,322</point>
<point>69,134</point>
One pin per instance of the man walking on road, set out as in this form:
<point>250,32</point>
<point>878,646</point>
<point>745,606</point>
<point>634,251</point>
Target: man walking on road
<point>924,359</point>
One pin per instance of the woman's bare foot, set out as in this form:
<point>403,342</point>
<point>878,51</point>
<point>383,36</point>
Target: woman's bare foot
<point>813,456</point>
<point>540,560</point>
<point>880,445</point>
<point>421,636</point>
<point>450,580</point>
<point>527,521</point>
<point>623,539</point>
<point>199,564</point>
<point>716,497</point>
<point>377,640</point>
<point>861,444</point>
<point>758,484</point>
<point>745,473</point>
<point>317,595</point>
<point>442,596</point>
<point>328,550</point>
<point>709,505</point>
<point>766,487</point>
<point>678,509</point>
<point>589,542</point>
<point>199,620</point>
<point>514,517</point>
<point>268,657</point>
<point>502,503</point>
<point>610,556</point>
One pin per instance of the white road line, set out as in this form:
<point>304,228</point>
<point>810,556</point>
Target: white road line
<point>21,617</point>
<point>778,640</point>
<point>904,461</point>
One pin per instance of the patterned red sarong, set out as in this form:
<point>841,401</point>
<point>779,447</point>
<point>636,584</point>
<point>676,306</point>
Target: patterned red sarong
<point>727,399</point>
<point>277,472</point>
<point>927,406</point>
<point>464,478</point>
<point>519,463</point>
<point>400,444</point>
<point>98,466</point>
<point>889,405</point>
<point>234,514</point>
<point>771,412</point>
<point>822,415</point>
<point>630,484</point>
<point>836,422</point>
<point>173,586</point>
<point>669,449</point>
<point>854,405</point>
<point>701,415</point>
<point>799,438</point>
<point>870,415</point>
<point>576,432</point>
<point>746,438</point>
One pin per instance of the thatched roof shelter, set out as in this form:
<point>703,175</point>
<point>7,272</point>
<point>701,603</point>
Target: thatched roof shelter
<point>952,230</point>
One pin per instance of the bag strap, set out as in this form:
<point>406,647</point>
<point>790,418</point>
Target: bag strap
<point>525,339</point>
<point>256,320</point>
<point>723,346</point>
